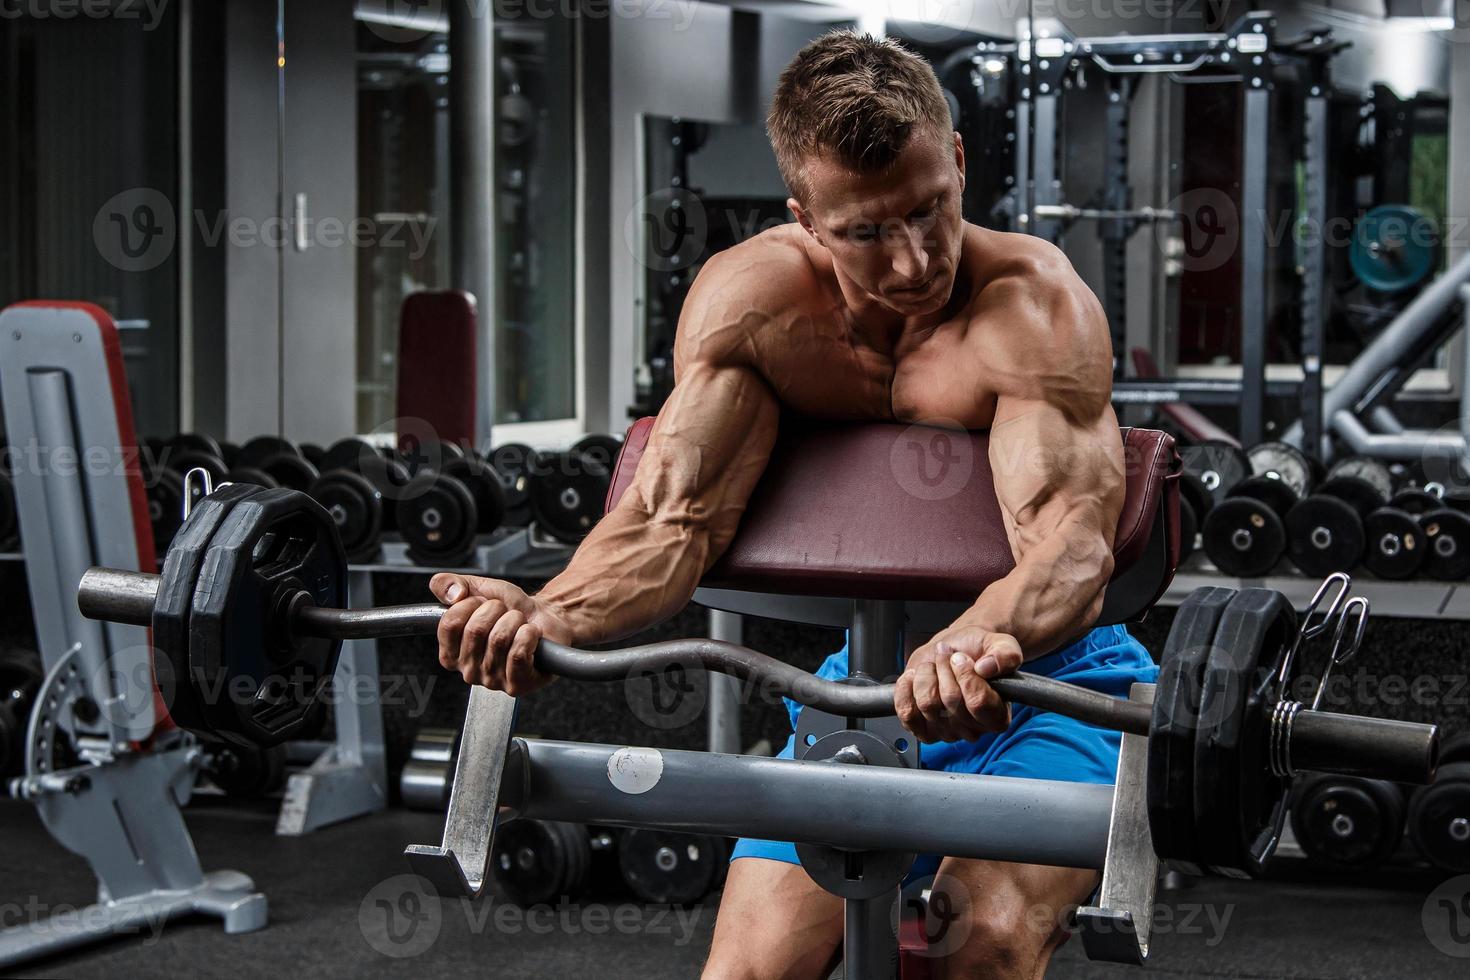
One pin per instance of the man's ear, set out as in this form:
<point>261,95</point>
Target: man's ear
<point>803,218</point>
<point>959,158</point>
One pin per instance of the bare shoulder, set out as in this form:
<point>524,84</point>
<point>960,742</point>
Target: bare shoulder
<point>744,293</point>
<point>1041,322</point>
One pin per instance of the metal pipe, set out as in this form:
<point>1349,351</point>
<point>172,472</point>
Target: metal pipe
<point>1376,748</point>
<point>723,721</point>
<point>1407,444</point>
<point>1385,420</point>
<point>1031,821</point>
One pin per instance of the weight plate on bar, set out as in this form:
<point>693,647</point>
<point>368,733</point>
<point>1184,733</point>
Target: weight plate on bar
<point>1371,471</point>
<point>1269,490</point>
<point>1239,805</point>
<point>1346,822</point>
<point>262,448</point>
<point>1219,465</point>
<point>356,507</point>
<point>568,491</point>
<point>1244,537</point>
<point>1395,544</point>
<point>1393,248</point>
<point>1283,461</point>
<point>1447,542</point>
<point>274,550</point>
<point>1324,535</point>
<point>290,471</point>
<point>171,609</point>
<point>1175,718</point>
<point>438,520</point>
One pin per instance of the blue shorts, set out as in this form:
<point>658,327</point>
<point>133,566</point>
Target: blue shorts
<point>1038,745</point>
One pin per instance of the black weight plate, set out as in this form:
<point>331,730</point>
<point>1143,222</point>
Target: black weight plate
<point>1284,462</point>
<point>1192,490</point>
<point>274,546</point>
<point>252,476</point>
<point>1188,529</point>
<point>313,454</point>
<point>512,463</point>
<point>194,442</point>
<point>568,492</point>
<point>602,449</point>
<point>356,507</point>
<point>182,463</point>
<point>484,485</point>
<point>247,772</point>
<point>1218,465</point>
<point>392,481</point>
<point>1324,535</point>
<point>1244,537</point>
<point>290,471</point>
<point>1395,544</point>
<point>1362,496</point>
<point>420,455</point>
<point>1175,717</point>
<point>1415,501</point>
<point>1367,469</point>
<point>9,516</point>
<point>229,452</point>
<point>165,508</point>
<point>262,448</point>
<point>1239,806</point>
<point>172,607</point>
<point>1455,749</point>
<point>348,454</point>
<point>536,862</point>
<point>1269,490</point>
<point>604,876</point>
<point>1439,819</point>
<point>1447,539</point>
<point>1344,822</point>
<point>437,518</point>
<point>663,867</point>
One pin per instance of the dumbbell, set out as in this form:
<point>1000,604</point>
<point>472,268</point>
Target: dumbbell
<point>279,459</point>
<point>20,679</point>
<point>1439,814</point>
<point>429,772</point>
<point>513,463</point>
<point>246,772</point>
<point>569,489</point>
<point>443,510</point>
<point>359,485</point>
<point>537,862</point>
<point>664,867</point>
<point>1245,534</point>
<point>1447,540</point>
<point>1350,518</point>
<point>1344,822</point>
<point>1217,465</point>
<point>1195,504</point>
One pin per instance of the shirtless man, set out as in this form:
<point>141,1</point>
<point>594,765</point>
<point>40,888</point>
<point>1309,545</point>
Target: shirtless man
<point>880,302</point>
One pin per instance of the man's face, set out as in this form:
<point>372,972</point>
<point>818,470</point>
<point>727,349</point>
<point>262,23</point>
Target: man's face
<point>895,236</point>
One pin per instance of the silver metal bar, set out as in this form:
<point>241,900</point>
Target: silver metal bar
<point>1253,267</point>
<point>771,799</point>
<point>723,717</point>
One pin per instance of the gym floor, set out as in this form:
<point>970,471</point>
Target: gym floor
<point>325,918</point>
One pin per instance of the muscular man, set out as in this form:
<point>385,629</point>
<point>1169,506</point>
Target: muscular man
<point>880,302</point>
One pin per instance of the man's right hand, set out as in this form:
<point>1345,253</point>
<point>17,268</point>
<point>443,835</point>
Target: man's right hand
<point>491,629</point>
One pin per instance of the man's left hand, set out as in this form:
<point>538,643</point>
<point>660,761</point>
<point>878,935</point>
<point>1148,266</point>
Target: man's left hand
<point>943,694</point>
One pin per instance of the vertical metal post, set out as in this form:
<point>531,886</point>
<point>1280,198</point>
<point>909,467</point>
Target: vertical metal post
<point>472,183</point>
<point>724,690</point>
<point>1116,231</point>
<point>1314,166</point>
<point>1044,189</point>
<point>1253,266</point>
<point>874,648</point>
<point>1022,188</point>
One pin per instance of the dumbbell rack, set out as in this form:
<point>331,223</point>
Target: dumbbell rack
<point>1413,599</point>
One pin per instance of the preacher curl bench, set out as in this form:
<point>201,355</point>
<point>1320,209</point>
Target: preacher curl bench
<point>879,528</point>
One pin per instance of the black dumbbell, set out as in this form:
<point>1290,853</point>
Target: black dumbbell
<point>443,511</point>
<point>379,466</point>
<point>665,867</point>
<point>513,462</point>
<point>537,862</point>
<point>313,454</point>
<point>1195,504</point>
<point>1439,814</point>
<point>1347,823</point>
<point>1245,534</point>
<point>1350,518</point>
<point>1447,538</point>
<point>20,678</point>
<point>246,772</point>
<point>256,451</point>
<point>1217,465</point>
<point>568,492</point>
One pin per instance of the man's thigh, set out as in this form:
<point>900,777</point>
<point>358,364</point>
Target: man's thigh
<point>774,921</point>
